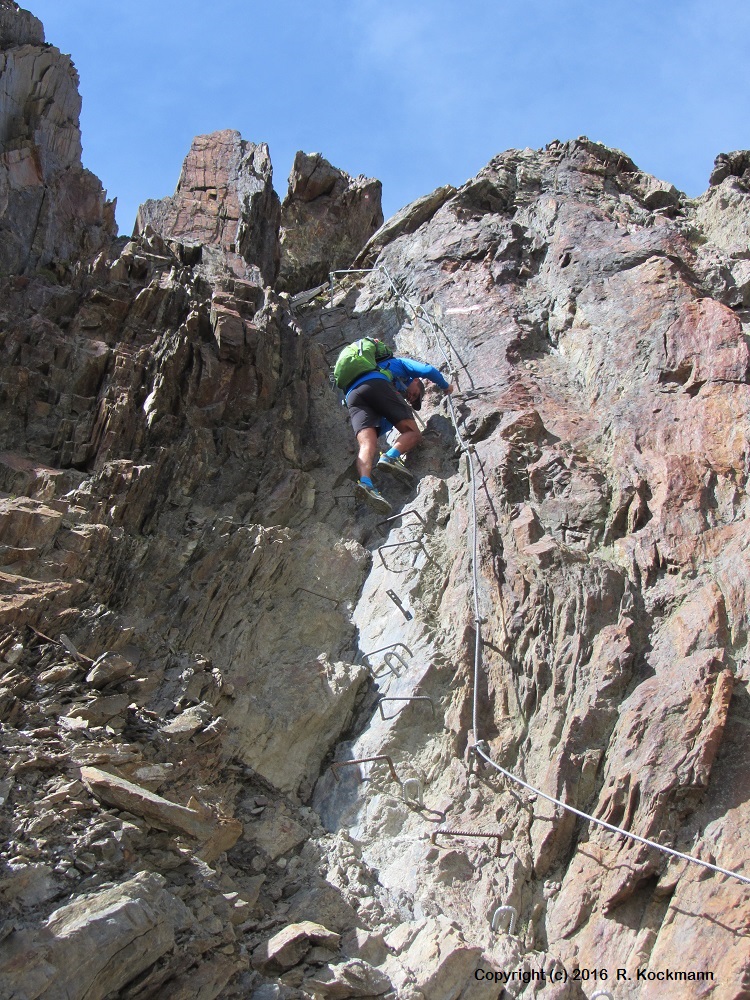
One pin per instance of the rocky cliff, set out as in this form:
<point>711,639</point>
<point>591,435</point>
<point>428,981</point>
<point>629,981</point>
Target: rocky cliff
<point>52,211</point>
<point>326,218</point>
<point>197,624</point>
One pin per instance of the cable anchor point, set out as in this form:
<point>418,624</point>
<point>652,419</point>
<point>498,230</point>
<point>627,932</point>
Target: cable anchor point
<point>501,911</point>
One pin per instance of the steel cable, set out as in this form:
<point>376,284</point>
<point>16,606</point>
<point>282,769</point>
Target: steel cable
<point>609,826</point>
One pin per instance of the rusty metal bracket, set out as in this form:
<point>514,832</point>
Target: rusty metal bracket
<point>397,601</point>
<point>365,760</point>
<point>416,697</point>
<point>398,545</point>
<point>65,642</point>
<point>352,270</point>
<point>315,593</point>
<point>468,833</point>
<point>501,911</point>
<point>404,513</point>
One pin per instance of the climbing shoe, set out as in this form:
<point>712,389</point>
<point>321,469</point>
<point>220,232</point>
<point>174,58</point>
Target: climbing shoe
<point>372,497</point>
<point>396,468</point>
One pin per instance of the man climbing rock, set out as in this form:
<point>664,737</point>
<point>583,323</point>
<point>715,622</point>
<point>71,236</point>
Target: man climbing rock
<point>379,400</point>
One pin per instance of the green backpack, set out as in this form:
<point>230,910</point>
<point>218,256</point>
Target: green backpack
<point>359,358</point>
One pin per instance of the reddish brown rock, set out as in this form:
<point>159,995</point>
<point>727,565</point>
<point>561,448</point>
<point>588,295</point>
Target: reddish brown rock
<point>53,211</point>
<point>225,202</point>
<point>569,289</point>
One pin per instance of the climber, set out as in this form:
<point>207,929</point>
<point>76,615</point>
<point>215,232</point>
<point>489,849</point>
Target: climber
<point>377,402</point>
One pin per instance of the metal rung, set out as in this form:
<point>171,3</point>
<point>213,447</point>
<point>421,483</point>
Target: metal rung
<point>468,833</point>
<point>365,760</point>
<point>353,270</point>
<point>417,797</point>
<point>416,697</point>
<point>499,912</point>
<point>602,993</point>
<point>404,513</point>
<point>387,662</point>
<point>330,350</point>
<point>315,593</point>
<point>398,545</point>
<point>393,645</point>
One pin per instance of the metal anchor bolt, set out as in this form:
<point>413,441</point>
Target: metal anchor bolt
<point>500,911</point>
<point>417,796</point>
<point>388,664</point>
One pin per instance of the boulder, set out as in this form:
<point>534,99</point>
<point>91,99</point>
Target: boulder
<point>93,947</point>
<point>108,669</point>
<point>289,946</point>
<point>353,978</point>
<point>326,219</point>
<point>736,164</point>
<point>220,833</point>
<point>440,962</point>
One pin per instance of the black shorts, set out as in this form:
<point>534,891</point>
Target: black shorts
<point>374,399</point>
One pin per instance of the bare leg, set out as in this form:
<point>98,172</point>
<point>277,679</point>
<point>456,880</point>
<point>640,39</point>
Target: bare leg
<point>409,436</point>
<point>368,448</point>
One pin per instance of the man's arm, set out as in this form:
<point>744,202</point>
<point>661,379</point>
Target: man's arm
<point>418,369</point>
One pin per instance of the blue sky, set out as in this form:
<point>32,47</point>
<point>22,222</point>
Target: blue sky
<point>415,92</point>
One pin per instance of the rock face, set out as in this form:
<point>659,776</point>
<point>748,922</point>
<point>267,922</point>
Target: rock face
<point>326,219</point>
<point>53,211</point>
<point>406,221</point>
<point>598,337</point>
<point>224,202</point>
<point>195,619</point>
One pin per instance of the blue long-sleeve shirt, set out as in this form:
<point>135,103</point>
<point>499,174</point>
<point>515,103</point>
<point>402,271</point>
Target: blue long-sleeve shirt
<point>404,371</point>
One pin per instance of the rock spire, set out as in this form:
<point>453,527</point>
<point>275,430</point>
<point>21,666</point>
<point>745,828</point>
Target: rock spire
<point>54,211</point>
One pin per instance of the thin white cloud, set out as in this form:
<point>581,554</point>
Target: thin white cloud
<point>409,51</point>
